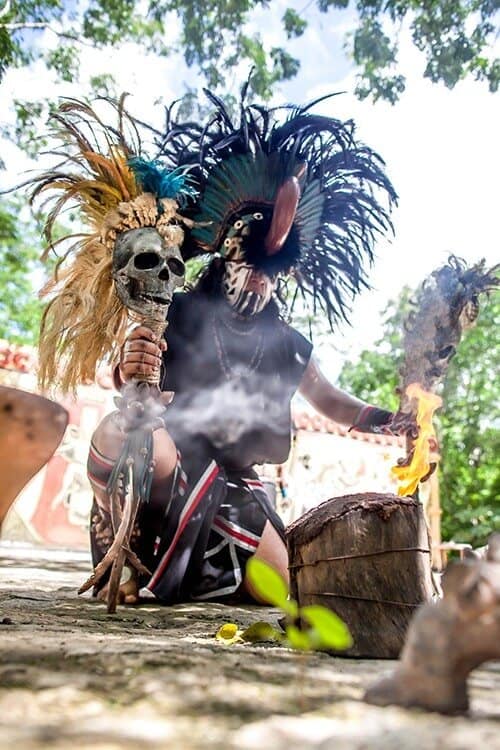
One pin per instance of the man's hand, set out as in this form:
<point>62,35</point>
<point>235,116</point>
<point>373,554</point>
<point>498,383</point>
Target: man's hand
<point>141,354</point>
<point>403,423</point>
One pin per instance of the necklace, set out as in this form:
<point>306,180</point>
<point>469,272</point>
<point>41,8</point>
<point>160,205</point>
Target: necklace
<point>246,331</point>
<point>230,371</point>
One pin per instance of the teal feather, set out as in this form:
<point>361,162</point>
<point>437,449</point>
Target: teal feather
<point>154,178</point>
<point>244,178</point>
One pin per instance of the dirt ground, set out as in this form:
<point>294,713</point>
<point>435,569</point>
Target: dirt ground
<point>150,677</point>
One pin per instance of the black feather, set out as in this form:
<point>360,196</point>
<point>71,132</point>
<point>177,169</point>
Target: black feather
<point>238,168</point>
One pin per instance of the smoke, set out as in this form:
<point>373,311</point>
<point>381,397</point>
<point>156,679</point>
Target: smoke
<point>227,411</point>
<point>233,381</point>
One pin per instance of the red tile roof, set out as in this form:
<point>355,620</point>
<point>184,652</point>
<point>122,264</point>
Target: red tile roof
<point>15,357</point>
<point>303,420</point>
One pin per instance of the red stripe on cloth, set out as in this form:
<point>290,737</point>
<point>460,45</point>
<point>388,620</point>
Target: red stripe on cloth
<point>236,534</point>
<point>362,416</point>
<point>192,503</point>
<point>99,482</point>
<point>253,483</point>
<point>99,459</point>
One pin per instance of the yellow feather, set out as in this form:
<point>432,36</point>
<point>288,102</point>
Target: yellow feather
<point>84,320</point>
<point>105,166</point>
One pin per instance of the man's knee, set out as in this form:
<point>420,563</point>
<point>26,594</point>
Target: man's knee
<point>108,437</point>
<point>271,550</point>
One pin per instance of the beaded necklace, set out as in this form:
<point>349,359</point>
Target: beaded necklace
<point>248,330</point>
<point>230,371</point>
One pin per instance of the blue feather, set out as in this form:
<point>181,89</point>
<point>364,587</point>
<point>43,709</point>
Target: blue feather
<point>154,178</point>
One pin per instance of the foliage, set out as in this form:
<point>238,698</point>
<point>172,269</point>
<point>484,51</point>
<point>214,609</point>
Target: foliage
<point>20,276</point>
<point>468,425</point>
<point>374,377</point>
<point>453,36</point>
<point>214,36</point>
<point>308,628</point>
<point>470,434</point>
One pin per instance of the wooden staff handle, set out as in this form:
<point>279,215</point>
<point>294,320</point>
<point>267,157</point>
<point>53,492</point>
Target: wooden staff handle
<point>155,321</point>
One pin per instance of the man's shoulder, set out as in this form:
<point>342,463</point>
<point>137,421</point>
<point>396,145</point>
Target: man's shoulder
<point>294,333</point>
<point>180,298</point>
<point>300,346</point>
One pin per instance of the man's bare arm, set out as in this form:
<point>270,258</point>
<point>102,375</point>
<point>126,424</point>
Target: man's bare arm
<point>328,400</point>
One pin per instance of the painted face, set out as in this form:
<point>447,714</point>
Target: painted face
<point>248,291</point>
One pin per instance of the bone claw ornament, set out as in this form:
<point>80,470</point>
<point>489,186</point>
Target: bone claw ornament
<point>119,552</point>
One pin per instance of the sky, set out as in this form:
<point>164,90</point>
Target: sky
<point>441,148</point>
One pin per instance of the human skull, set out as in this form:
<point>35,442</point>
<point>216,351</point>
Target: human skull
<point>147,268</point>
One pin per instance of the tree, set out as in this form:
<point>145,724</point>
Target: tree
<point>454,37</point>
<point>374,376</point>
<point>470,434</point>
<point>21,275</point>
<point>468,424</point>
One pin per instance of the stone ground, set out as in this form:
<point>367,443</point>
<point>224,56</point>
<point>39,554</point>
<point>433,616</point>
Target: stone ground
<point>151,677</point>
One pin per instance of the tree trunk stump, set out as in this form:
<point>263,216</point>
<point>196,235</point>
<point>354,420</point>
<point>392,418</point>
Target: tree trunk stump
<point>367,558</point>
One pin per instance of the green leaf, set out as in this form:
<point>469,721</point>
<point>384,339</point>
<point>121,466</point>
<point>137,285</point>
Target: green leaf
<point>291,609</point>
<point>261,631</point>
<point>293,23</point>
<point>331,631</point>
<point>267,583</point>
<point>298,639</point>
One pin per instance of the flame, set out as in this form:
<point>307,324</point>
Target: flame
<point>409,476</point>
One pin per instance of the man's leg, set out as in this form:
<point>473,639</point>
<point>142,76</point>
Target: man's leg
<point>272,550</point>
<point>108,440</point>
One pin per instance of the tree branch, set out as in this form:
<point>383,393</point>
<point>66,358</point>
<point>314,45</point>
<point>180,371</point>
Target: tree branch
<point>47,27</point>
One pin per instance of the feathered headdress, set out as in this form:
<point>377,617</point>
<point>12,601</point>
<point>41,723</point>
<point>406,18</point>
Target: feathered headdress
<point>300,196</point>
<point>115,189</point>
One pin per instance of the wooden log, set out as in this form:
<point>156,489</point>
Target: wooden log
<point>367,558</point>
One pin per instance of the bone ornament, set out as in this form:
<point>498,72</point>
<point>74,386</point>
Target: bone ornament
<point>448,639</point>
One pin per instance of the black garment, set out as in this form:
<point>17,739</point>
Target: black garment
<point>233,381</point>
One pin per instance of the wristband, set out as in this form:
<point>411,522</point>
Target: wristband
<point>373,420</point>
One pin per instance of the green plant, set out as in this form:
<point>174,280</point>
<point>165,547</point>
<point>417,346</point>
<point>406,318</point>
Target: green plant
<point>310,628</point>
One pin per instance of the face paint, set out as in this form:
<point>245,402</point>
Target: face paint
<point>248,293</point>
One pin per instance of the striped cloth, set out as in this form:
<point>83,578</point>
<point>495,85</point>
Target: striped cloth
<point>197,541</point>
